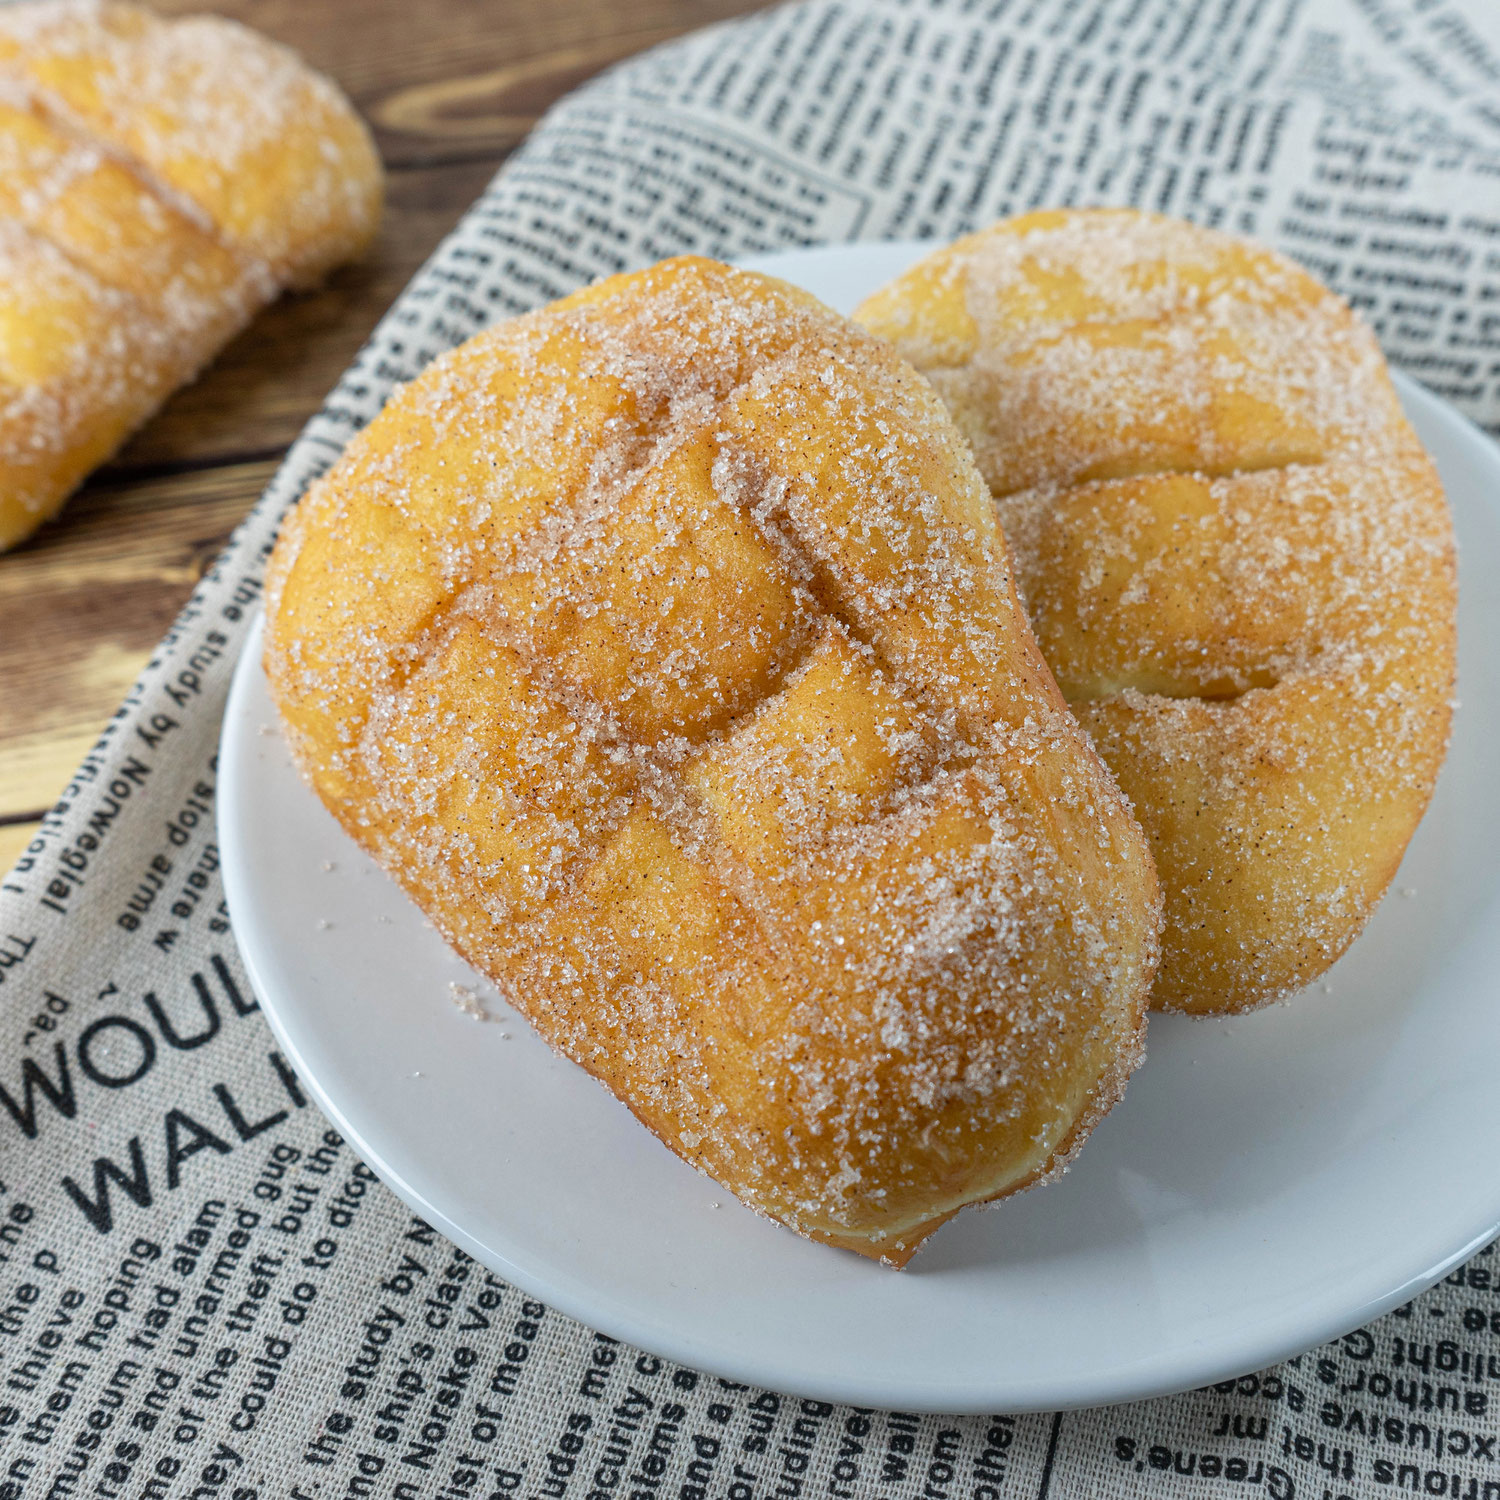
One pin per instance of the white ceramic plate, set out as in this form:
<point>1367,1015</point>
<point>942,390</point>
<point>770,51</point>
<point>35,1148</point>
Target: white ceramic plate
<point>1268,1183</point>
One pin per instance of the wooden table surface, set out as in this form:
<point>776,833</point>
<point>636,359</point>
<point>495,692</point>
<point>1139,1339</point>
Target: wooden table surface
<point>450,87</point>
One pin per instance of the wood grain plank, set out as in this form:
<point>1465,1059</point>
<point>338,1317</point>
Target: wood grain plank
<point>450,77</point>
<point>81,611</point>
<point>14,838</point>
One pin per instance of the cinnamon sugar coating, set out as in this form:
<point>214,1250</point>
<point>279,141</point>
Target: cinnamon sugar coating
<point>160,181</point>
<point>1236,555</point>
<point>662,644</point>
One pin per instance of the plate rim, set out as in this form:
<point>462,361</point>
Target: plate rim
<point>965,1397</point>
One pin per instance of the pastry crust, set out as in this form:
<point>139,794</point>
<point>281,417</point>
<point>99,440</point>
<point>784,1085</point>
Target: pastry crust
<point>160,181</point>
<point>662,644</point>
<point>1236,555</point>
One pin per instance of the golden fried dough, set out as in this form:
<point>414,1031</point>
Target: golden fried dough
<point>662,644</point>
<point>160,181</point>
<point>1237,558</point>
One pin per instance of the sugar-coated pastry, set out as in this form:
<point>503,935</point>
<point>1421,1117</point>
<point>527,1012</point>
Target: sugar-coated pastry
<point>662,644</point>
<point>1237,558</point>
<point>160,181</point>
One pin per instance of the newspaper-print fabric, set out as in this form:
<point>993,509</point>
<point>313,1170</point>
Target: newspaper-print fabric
<point>203,1292</point>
